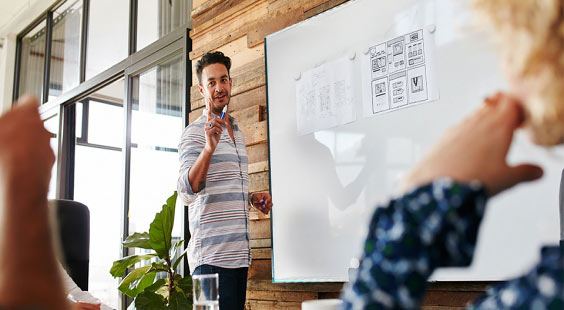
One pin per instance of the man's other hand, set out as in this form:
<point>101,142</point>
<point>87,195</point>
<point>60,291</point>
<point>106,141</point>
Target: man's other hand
<point>262,201</point>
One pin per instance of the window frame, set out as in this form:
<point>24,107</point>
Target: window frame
<point>165,48</point>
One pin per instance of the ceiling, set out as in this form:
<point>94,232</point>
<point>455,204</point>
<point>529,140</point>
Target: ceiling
<point>15,15</point>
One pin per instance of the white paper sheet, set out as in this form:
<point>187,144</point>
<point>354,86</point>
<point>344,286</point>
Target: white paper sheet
<point>325,97</point>
<point>399,73</point>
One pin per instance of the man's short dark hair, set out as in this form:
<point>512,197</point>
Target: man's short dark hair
<point>211,58</point>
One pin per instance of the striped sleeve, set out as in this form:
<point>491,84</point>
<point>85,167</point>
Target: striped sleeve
<point>191,145</point>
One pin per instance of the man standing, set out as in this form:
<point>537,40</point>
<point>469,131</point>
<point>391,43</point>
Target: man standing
<point>213,182</point>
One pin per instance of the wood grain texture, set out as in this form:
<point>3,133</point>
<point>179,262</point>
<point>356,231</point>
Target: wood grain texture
<point>259,229</point>
<point>267,285</point>
<point>257,153</point>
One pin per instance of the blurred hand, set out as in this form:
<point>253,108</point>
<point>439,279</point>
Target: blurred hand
<point>26,157</point>
<point>261,201</point>
<point>476,149</point>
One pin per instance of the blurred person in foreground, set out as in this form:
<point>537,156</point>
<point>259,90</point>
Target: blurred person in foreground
<point>436,221</point>
<point>30,276</point>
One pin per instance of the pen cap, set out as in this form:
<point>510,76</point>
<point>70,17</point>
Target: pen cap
<point>223,111</point>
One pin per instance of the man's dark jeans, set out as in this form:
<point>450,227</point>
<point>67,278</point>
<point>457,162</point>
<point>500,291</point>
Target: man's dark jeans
<point>232,285</point>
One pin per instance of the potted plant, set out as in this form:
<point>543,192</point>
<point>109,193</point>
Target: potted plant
<point>155,284</point>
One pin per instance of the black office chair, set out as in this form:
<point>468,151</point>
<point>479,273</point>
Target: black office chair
<point>74,230</point>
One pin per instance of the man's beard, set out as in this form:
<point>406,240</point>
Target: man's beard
<point>217,110</point>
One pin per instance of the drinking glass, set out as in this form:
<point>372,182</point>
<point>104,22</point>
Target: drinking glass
<point>206,291</point>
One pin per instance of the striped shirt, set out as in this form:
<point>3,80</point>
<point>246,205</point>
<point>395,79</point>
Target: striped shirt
<point>218,214</point>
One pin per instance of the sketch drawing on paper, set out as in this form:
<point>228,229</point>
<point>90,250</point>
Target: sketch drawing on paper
<point>398,72</point>
<point>325,97</point>
<point>417,84</point>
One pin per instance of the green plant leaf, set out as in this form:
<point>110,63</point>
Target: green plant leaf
<point>146,280</point>
<point>136,274</point>
<point>155,286</point>
<point>178,300</point>
<point>120,266</point>
<point>185,284</point>
<point>159,267</point>
<point>150,300</point>
<point>160,231</point>
<point>138,240</point>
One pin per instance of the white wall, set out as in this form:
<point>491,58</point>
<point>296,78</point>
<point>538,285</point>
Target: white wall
<point>7,61</point>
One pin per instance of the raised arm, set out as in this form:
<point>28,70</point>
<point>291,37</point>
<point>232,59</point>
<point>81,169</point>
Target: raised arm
<point>29,275</point>
<point>212,132</point>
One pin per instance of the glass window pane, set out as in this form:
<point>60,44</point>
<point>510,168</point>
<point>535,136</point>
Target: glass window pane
<point>107,45</point>
<point>65,48</point>
<point>157,18</point>
<point>100,186</point>
<point>156,129</point>
<point>52,125</point>
<point>32,64</point>
<point>100,114</point>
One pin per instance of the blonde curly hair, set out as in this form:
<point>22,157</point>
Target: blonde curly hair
<point>531,33</point>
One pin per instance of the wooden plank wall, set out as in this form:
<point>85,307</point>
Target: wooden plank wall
<point>237,28</point>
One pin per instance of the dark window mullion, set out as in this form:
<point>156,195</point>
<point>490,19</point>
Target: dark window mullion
<point>187,108</point>
<point>84,126</point>
<point>130,89</point>
<point>65,190</point>
<point>47,63</point>
<point>84,39</point>
<point>132,26</point>
<point>17,73</point>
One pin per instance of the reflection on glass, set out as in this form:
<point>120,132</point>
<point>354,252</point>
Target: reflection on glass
<point>32,62</point>
<point>99,186</point>
<point>65,48</point>
<point>156,129</point>
<point>107,35</point>
<point>52,125</point>
<point>157,18</point>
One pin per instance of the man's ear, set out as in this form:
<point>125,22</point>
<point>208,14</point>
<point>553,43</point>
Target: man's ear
<point>201,89</point>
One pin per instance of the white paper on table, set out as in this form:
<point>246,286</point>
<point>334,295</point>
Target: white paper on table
<point>325,97</point>
<point>399,73</point>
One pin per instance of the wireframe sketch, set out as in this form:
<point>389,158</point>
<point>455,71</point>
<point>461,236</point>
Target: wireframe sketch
<point>396,55</point>
<point>398,72</point>
<point>380,95</point>
<point>379,61</point>
<point>325,106</point>
<point>415,48</point>
<point>379,89</point>
<point>417,84</point>
<point>324,96</point>
<point>398,84</point>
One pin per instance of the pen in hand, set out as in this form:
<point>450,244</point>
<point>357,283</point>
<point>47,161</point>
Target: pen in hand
<point>223,112</point>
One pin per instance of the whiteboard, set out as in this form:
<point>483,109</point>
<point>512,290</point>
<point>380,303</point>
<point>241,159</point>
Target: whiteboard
<point>326,184</point>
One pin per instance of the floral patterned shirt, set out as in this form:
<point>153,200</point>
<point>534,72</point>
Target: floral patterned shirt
<point>434,226</point>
